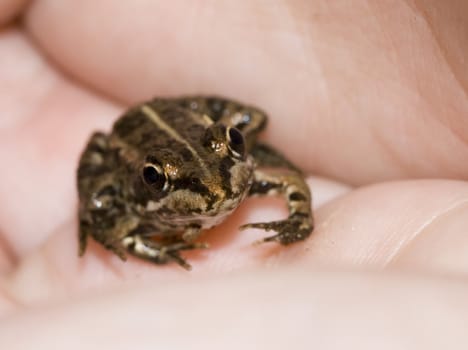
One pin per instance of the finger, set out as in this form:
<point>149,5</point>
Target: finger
<point>411,225</point>
<point>377,227</point>
<point>260,309</point>
<point>57,272</point>
<point>346,76</point>
<point>45,120</point>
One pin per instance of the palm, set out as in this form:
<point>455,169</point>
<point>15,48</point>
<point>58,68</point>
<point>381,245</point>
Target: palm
<point>360,117</point>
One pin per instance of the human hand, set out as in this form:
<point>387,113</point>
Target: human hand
<point>360,94</point>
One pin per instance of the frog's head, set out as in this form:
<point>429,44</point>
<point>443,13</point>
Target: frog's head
<point>205,175</point>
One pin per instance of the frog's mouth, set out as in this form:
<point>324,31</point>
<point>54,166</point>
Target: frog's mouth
<point>203,221</point>
<point>185,205</point>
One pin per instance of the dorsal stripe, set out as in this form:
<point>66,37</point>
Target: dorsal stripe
<point>156,118</point>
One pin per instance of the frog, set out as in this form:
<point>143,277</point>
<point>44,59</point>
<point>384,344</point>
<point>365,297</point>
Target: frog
<point>171,168</point>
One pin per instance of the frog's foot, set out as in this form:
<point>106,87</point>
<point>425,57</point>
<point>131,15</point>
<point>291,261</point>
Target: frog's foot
<point>159,253</point>
<point>296,228</point>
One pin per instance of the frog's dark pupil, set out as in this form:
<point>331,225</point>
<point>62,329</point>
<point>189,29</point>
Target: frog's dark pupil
<point>153,177</point>
<point>235,136</point>
<point>236,141</point>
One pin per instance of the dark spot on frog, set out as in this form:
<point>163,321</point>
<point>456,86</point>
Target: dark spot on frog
<point>195,130</point>
<point>108,190</point>
<point>126,126</point>
<point>191,183</point>
<point>225,171</point>
<point>296,196</point>
<point>187,156</point>
<point>263,187</point>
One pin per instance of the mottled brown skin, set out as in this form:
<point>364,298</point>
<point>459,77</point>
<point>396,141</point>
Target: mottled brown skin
<point>171,168</point>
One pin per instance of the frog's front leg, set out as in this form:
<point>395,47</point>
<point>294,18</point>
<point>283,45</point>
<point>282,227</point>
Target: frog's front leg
<point>127,236</point>
<point>299,224</point>
<point>159,253</point>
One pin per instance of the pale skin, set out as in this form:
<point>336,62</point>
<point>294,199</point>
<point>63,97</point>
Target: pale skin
<point>358,93</point>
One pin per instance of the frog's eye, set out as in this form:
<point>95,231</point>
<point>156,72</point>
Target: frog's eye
<point>236,142</point>
<point>154,176</point>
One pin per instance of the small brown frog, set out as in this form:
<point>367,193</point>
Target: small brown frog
<point>171,168</point>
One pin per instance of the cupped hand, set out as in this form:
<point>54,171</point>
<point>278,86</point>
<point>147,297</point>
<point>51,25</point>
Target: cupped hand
<point>370,98</point>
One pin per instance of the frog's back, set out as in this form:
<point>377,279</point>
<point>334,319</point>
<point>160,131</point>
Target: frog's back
<point>160,125</point>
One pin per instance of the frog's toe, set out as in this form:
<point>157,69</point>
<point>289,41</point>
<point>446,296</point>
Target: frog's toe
<point>172,252</point>
<point>117,250</point>
<point>283,238</point>
<point>158,253</point>
<point>274,238</point>
<point>179,260</point>
<point>288,231</point>
<point>185,246</point>
<point>277,226</point>
<point>267,226</point>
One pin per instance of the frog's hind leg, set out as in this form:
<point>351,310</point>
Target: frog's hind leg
<point>92,164</point>
<point>89,168</point>
<point>267,156</point>
<point>159,253</point>
<point>299,224</point>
